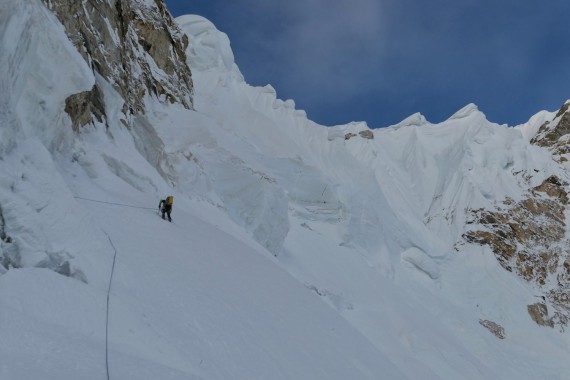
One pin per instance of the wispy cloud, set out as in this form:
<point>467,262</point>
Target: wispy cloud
<point>382,60</point>
<point>319,43</point>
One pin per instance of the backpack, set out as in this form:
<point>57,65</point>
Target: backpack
<point>169,200</point>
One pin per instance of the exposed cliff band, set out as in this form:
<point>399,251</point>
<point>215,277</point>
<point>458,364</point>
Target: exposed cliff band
<point>136,46</point>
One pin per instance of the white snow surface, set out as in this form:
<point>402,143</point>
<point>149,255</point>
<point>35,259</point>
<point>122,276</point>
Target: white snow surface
<point>293,253</point>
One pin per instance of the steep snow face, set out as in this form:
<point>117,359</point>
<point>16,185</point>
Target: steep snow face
<point>274,148</point>
<point>436,172</point>
<point>189,300</point>
<point>39,69</point>
<point>531,127</point>
<point>379,213</point>
<point>297,250</point>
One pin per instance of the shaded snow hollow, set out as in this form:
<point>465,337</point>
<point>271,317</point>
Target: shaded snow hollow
<point>294,253</point>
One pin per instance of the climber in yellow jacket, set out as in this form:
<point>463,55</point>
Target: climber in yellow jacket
<point>165,207</point>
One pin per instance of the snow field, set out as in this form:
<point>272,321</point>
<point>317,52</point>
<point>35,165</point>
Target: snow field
<point>293,254</point>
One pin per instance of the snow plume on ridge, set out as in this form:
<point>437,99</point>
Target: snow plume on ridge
<point>208,48</point>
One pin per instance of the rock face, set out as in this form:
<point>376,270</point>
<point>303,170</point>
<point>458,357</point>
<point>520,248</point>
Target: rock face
<point>529,237</point>
<point>133,44</point>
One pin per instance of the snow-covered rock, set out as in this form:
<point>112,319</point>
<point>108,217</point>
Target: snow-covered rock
<point>133,45</point>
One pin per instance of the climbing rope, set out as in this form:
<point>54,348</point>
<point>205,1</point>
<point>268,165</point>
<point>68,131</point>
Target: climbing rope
<point>115,204</point>
<point>111,276</point>
<point>108,298</point>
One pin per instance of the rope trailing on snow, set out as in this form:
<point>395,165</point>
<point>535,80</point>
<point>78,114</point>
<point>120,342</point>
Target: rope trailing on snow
<point>108,298</point>
<point>110,277</point>
<point>112,274</point>
<point>115,204</point>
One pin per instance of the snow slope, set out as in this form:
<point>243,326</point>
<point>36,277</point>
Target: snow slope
<point>373,223</point>
<point>204,306</point>
<point>188,301</point>
<point>294,253</point>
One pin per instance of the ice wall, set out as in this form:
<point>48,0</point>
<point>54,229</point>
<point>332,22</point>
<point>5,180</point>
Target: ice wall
<point>39,69</point>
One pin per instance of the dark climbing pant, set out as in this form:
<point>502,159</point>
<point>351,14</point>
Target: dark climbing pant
<point>166,210</point>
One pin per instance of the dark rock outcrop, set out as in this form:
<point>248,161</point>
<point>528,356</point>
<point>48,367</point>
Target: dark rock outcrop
<point>85,106</point>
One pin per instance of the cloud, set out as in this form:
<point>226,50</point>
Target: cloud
<point>317,44</point>
<point>382,60</point>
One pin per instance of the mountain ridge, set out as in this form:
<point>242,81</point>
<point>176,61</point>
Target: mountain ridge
<point>386,238</point>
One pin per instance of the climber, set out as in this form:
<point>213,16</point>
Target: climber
<point>165,206</point>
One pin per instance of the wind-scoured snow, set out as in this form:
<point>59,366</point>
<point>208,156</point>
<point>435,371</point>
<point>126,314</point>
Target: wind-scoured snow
<point>294,253</point>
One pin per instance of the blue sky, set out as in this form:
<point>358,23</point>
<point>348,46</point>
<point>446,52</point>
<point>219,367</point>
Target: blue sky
<point>380,61</point>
